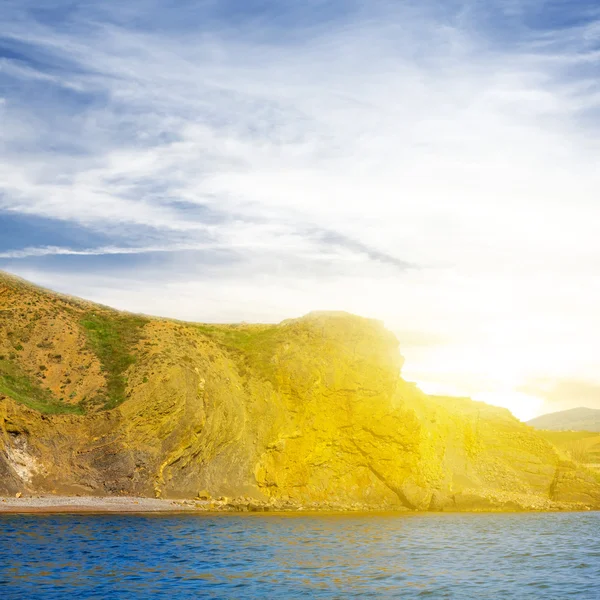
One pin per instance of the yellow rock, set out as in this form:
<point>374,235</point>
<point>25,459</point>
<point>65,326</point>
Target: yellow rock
<point>310,413</point>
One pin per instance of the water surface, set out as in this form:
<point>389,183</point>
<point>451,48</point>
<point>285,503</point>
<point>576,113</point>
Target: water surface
<point>548,556</point>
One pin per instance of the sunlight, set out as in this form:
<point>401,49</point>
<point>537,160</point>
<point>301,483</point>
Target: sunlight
<point>523,406</point>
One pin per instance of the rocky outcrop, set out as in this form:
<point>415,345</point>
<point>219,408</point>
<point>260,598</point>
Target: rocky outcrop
<point>310,413</point>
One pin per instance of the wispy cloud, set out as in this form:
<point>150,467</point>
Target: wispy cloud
<point>104,250</point>
<point>432,164</point>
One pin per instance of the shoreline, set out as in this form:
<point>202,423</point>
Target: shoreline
<point>140,505</point>
<point>92,504</point>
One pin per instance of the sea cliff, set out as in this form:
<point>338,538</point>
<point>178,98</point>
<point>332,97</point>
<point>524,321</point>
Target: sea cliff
<point>311,413</point>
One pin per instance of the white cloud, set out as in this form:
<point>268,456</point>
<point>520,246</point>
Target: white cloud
<point>410,136</point>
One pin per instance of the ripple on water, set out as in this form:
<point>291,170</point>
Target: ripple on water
<point>300,556</point>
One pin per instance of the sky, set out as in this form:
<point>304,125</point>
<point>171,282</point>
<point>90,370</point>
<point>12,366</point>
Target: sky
<point>431,164</point>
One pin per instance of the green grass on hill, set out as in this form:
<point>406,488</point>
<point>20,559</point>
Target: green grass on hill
<point>24,389</point>
<point>252,345</point>
<point>243,338</point>
<point>112,337</point>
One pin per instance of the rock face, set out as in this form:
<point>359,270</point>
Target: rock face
<point>308,413</point>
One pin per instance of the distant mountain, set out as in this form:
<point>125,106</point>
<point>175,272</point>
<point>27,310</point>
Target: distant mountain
<point>575,419</point>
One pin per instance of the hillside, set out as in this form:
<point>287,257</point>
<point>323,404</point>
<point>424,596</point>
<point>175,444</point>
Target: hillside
<point>582,446</point>
<point>575,419</point>
<point>309,413</point>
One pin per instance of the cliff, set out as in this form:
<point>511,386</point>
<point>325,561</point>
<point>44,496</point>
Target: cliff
<point>308,413</point>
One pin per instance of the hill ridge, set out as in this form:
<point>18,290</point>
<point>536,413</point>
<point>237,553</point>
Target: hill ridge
<point>580,418</point>
<point>311,412</point>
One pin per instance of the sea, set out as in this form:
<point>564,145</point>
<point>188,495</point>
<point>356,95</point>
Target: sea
<point>267,556</point>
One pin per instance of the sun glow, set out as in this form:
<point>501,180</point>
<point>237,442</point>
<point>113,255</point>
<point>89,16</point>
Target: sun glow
<point>491,373</point>
<point>523,406</point>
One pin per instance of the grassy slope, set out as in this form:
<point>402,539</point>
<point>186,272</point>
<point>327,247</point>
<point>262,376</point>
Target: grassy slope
<point>111,336</point>
<point>247,344</point>
<point>24,389</point>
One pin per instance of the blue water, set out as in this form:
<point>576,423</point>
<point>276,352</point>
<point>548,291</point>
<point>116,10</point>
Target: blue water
<point>300,556</point>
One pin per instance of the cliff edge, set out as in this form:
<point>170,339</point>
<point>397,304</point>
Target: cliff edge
<point>310,413</point>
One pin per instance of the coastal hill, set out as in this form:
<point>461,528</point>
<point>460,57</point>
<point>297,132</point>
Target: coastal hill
<point>575,431</point>
<point>310,413</point>
<point>575,419</point>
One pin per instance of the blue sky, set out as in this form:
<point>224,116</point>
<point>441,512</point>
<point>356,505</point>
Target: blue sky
<point>431,164</point>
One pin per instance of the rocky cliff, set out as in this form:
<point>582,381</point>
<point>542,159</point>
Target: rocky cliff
<point>308,413</point>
